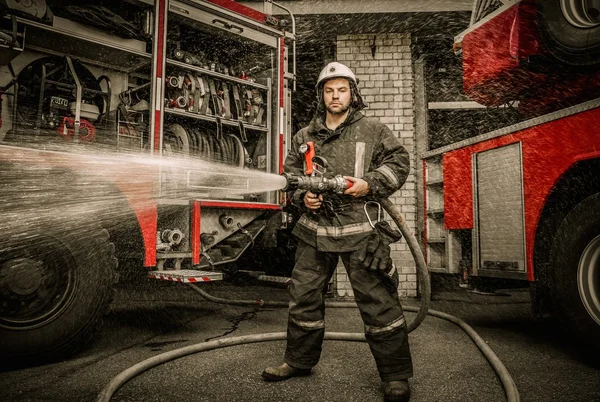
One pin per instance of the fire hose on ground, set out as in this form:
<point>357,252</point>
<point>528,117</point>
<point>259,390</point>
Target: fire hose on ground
<point>510,388</point>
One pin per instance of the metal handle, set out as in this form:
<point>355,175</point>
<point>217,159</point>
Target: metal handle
<point>228,25</point>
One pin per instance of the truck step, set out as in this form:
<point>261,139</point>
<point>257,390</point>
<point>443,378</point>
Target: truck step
<point>186,275</point>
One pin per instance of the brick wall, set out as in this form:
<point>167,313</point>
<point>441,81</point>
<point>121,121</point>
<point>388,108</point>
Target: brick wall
<point>386,83</point>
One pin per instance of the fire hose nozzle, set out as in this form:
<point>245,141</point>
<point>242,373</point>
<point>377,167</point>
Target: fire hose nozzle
<point>317,184</point>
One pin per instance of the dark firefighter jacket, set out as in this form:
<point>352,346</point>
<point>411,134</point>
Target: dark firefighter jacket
<point>360,147</point>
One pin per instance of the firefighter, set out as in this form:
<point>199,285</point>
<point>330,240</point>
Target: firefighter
<point>332,226</point>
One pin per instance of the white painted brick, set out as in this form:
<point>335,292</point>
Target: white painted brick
<point>389,90</point>
<point>393,70</point>
<point>379,105</point>
<point>379,77</point>
<point>388,120</point>
<point>370,91</point>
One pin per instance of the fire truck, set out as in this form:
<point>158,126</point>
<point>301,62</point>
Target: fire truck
<point>523,201</point>
<point>94,93</point>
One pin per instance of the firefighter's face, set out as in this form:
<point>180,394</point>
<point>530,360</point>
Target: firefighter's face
<point>337,95</point>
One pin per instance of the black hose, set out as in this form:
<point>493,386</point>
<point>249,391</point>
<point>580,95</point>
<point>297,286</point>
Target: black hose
<point>415,249</point>
<point>510,389</point>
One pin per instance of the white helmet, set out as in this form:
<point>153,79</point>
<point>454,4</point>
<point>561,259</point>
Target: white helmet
<point>336,70</point>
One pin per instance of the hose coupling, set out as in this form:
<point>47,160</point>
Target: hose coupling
<point>316,184</point>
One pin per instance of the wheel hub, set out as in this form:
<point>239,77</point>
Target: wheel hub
<point>22,276</point>
<point>35,285</point>
<point>588,278</point>
<point>581,13</point>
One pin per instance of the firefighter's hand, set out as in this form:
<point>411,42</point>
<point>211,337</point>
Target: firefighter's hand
<point>313,201</point>
<point>360,188</point>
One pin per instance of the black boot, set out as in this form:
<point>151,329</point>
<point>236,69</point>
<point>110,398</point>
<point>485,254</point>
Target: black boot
<point>396,391</point>
<point>283,372</point>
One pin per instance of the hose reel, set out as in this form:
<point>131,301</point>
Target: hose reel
<point>196,142</point>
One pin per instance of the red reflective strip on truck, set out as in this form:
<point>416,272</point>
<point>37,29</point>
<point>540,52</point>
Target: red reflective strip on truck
<point>147,219</point>
<point>240,8</point>
<point>200,279</point>
<point>184,280</point>
<point>281,70</point>
<point>160,37</point>
<point>239,205</point>
<point>196,233</point>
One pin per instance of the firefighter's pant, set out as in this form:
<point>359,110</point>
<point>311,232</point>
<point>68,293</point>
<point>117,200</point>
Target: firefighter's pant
<point>377,300</point>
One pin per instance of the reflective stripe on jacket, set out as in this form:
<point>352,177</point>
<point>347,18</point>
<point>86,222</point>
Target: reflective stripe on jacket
<point>360,147</point>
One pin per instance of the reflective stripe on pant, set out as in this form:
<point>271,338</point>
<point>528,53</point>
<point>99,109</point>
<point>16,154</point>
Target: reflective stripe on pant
<point>385,326</point>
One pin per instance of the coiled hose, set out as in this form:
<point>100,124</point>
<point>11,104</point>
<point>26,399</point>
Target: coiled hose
<point>196,142</point>
<point>510,388</point>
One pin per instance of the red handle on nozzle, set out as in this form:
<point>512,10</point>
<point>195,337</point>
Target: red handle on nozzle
<point>349,183</point>
<point>309,154</point>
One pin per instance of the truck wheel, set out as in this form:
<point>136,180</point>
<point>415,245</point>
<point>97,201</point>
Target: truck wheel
<point>55,286</point>
<point>575,270</point>
<point>571,30</point>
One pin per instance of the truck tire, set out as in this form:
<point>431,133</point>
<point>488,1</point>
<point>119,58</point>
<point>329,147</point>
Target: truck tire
<point>56,283</point>
<point>570,30</point>
<point>575,270</point>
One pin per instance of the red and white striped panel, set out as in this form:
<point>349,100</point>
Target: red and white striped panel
<point>186,276</point>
